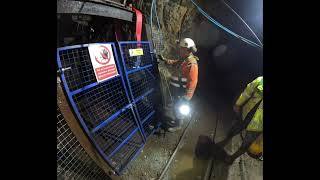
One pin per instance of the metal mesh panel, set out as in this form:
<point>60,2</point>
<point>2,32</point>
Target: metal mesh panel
<point>136,61</point>
<point>141,81</point>
<point>100,102</point>
<point>72,160</point>
<point>127,152</point>
<point>157,38</point>
<point>149,125</point>
<point>103,108</point>
<point>81,72</point>
<point>145,106</point>
<point>114,133</point>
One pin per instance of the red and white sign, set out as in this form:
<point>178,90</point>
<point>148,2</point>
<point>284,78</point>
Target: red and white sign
<point>102,61</point>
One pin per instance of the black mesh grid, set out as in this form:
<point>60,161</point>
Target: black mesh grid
<point>111,136</point>
<point>100,102</point>
<point>81,73</point>
<point>123,156</point>
<point>145,106</point>
<point>141,81</point>
<point>136,61</point>
<point>72,160</point>
<point>149,125</point>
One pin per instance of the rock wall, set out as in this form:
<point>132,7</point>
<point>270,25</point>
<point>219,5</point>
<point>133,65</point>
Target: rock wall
<point>177,17</point>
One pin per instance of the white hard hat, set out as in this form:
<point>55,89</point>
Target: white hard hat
<point>187,42</point>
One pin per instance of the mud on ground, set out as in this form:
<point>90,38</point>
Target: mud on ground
<point>150,162</point>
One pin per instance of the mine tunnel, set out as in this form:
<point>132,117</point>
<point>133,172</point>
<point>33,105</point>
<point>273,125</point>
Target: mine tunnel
<point>115,89</point>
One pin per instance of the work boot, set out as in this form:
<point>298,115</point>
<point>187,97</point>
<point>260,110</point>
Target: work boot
<point>174,129</point>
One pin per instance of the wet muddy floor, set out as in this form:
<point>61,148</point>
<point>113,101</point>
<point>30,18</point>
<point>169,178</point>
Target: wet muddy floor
<point>157,151</point>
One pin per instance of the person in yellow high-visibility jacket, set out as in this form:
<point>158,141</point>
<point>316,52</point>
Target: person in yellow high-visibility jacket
<point>250,104</point>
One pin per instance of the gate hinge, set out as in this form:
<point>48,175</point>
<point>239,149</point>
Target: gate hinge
<point>63,69</point>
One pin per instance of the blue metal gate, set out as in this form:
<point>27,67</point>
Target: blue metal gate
<point>140,76</point>
<point>116,113</point>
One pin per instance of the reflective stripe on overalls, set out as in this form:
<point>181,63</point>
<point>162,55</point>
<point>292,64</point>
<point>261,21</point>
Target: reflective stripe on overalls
<point>178,82</point>
<point>178,85</point>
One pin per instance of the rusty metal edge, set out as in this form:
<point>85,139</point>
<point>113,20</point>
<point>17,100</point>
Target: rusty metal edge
<point>80,134</point>
<point>123,4</point>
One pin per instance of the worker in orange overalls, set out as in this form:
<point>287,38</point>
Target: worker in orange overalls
<point>184,81</point>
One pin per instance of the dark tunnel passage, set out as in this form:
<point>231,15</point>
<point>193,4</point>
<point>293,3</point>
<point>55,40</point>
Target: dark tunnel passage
<point>226,63</point>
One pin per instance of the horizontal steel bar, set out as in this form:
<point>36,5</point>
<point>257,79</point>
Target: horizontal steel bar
<point>133,42</point>
<point>90,86</point>
<point>139,69</point>
<point>119,139</point>
<point>149,115</point>
<point>144,95</point>
<point>122,143</point>
<point>104,123</point>
<point>81,45</point>
<point>84,88</point>
<point>72,47</point>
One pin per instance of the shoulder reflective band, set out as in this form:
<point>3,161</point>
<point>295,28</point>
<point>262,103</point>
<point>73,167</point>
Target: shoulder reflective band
<point>138,23</point>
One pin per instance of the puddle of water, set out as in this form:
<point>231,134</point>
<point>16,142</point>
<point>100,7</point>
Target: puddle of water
<point>186,165</point>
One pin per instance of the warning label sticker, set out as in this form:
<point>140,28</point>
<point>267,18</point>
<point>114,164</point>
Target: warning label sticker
<point>136,52</point>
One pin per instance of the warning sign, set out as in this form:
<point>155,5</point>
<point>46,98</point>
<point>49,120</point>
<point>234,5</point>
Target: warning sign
<point>102,61</point>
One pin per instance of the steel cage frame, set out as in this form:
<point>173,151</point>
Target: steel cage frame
<point>131,106</point>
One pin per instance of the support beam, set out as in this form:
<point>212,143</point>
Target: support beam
<point>90,8</point>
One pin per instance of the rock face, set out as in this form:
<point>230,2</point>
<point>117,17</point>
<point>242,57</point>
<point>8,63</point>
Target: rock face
<point>176,18</point>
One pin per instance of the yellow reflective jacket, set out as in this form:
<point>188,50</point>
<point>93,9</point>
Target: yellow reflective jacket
<point>248,99</point>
